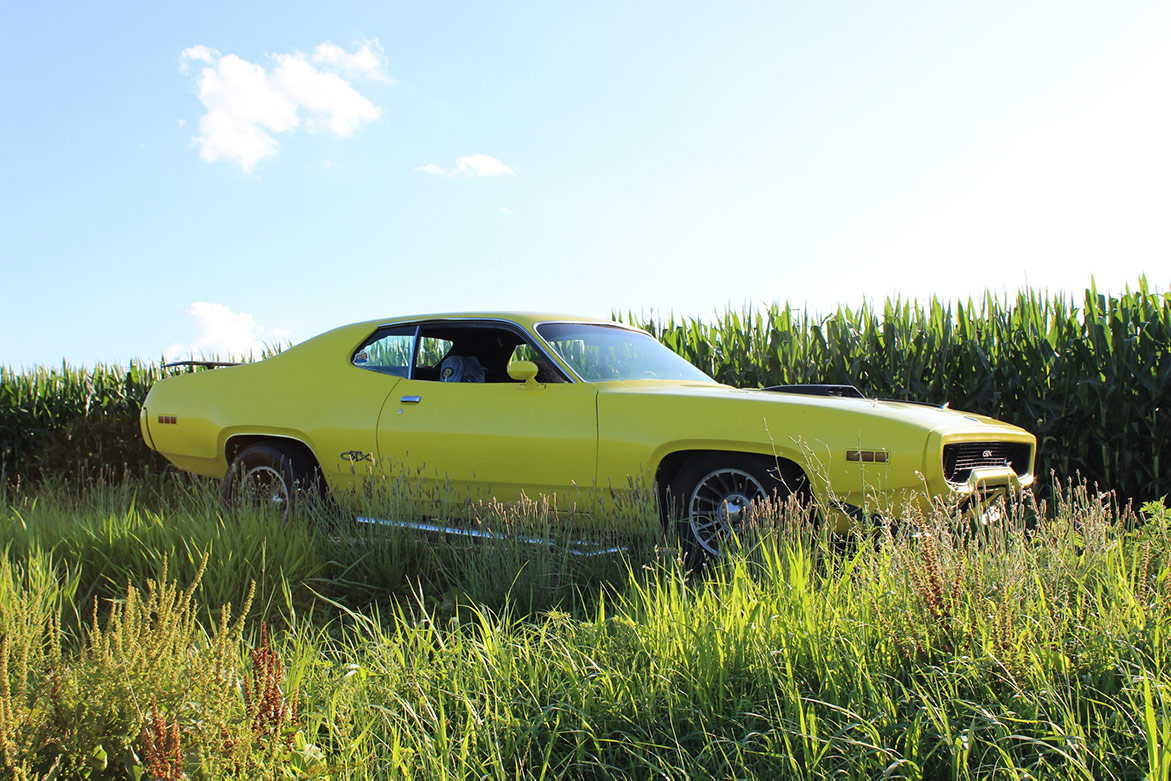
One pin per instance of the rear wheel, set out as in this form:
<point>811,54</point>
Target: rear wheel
<point>267,478</point>
<point>713,496</point>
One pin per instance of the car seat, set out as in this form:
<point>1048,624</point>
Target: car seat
<point>461,368</point>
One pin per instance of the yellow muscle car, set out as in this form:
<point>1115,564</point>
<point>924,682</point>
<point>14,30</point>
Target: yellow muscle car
<point>496,405</point>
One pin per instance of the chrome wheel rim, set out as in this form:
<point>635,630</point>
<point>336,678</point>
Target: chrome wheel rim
<point>263,488</point>
<point>719,505</point>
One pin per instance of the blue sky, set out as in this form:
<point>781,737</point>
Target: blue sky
<point>201,179</point>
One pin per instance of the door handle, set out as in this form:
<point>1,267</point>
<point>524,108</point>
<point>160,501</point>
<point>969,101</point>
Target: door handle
<point>411,399</point>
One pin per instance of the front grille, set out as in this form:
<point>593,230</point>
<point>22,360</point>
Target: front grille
<point>960,459</point>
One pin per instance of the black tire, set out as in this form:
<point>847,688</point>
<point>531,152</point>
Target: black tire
<point>268,477</point>
<point>710,498</point>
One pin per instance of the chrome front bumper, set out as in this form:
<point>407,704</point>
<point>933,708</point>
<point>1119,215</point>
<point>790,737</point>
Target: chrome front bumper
<point>980,496</point>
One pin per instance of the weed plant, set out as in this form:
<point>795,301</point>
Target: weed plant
<point>1036,648</point>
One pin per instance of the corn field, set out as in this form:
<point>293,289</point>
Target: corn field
<point>1092,381</point>
<point>73,422</point>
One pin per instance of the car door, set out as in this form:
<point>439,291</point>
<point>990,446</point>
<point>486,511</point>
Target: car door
<point>459,442</point>
<point>344,411</point>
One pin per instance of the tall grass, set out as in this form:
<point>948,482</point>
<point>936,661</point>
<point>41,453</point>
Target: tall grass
<point>1014,655</point>
<point>1091,381</point>
<point>105,535</point>
<point>1031,650</point>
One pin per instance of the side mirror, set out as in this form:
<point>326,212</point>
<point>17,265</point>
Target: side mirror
<point>524,371</point>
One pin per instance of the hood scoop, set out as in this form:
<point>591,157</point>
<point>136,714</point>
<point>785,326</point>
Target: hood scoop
<point>838,391</point>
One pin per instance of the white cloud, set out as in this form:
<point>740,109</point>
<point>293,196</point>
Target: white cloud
<point>197,53</point>
<point>248,105</point>
<point>472,165</point>
<point>218,332</point>
<point>367,62</point>
<point>480,165</point>
<point>330,102</point>
<point>509,212</point>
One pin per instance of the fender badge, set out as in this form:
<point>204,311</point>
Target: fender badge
<point>355,456</point>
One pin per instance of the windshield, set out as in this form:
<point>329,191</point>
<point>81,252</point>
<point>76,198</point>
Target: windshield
<point>599,353</point>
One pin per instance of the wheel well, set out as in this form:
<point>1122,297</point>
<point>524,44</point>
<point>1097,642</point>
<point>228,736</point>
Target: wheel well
<point>292,446</point>
<point>673,462</point>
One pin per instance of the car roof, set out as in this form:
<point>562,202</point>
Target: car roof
<point>524,319</point>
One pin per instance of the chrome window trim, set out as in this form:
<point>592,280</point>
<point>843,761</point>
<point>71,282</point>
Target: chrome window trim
<point>533,334</point>
<point>414,353</point>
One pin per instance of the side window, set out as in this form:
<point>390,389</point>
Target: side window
<point>474,353</point>
<point>432,351</point>
<point>388,352</point>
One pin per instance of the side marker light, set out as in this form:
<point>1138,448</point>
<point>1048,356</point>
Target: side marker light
<point>868,456</point>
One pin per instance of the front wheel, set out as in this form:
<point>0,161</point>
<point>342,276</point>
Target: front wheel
<point>268,479</point>
<point>713,496</point>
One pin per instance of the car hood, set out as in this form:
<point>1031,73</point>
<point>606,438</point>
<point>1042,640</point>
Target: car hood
<point>924,416</point>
